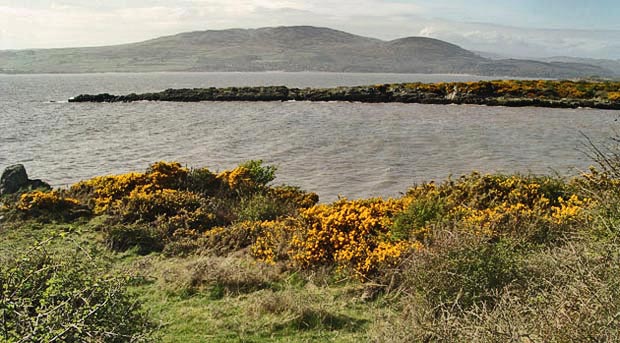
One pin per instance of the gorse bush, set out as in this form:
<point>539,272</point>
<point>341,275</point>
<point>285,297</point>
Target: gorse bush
<point>535,89</point>
<point>167,202</point>
<point>350,233</point>
<point>170,204</point>
<point>47,298</point>
<point>52,205</point>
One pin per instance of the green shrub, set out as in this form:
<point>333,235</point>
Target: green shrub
<point>260,207</point>
<point>202,181</point>
<point>260,174</point>
<point>465,270</point>
<point>146,238</point>
<point>421,212</point>
<point>66,298</point>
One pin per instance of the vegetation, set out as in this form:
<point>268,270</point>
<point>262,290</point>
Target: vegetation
<point>189,255</point>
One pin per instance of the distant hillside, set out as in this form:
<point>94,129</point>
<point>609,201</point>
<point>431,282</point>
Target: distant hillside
<point>613,65</point>
<point>298,48</point>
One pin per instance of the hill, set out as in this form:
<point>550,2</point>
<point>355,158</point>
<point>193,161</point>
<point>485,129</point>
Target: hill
<point>296,48</point>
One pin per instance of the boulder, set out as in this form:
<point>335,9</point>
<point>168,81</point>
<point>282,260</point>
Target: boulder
<point>15,178</point>
<point>39,184</point>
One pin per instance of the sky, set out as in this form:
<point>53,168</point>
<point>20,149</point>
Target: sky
<point>510,28</point>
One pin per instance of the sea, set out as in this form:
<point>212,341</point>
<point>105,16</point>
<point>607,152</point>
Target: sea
<point>336,149</point>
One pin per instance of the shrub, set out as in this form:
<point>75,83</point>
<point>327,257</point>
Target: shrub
<point>414,221</point>
<point>469,272</point>
<point>167,175</point>
<point>202,181</point>
<point>50,205</point>
<point>260,207</point>
<point>148,206</point>
<point>531,208</point>
<point>613,96</point>
<point>260,174</point>
<point>66,298</point>
<point>348,233</point>
<point>294,196</point>
<point>103,193</point>
<point>146,238</point>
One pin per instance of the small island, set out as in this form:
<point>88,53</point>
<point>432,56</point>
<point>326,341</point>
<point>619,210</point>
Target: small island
<point>513,93</point>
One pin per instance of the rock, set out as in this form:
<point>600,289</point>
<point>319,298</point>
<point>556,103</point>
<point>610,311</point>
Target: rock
<point>13,178</point>
<point>39,184</point>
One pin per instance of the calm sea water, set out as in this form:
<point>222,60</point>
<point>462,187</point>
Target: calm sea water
<point>349,149</point>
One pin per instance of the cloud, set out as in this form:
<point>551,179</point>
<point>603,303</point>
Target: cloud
<point>526,42</point>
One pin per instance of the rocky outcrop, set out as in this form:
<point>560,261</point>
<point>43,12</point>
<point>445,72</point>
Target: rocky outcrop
<point>484,94</point>
<point>14,179</point>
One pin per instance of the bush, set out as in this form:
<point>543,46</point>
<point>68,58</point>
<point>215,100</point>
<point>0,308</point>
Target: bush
<point>571,294</point>
<point>144,237</point>
<point>188,209</point>
<point>66,298</point>
<point>414,221</point>
<point>295,196</point>
<point>50,205</point>
<point>260,174</point>
<point>464,270</point>
<point>260,207</point>
<point>202,181</point>
<point>353,234</point>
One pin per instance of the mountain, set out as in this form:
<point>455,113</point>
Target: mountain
<point>613,65</point>
<point>296,48</point>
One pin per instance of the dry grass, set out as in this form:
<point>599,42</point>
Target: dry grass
<point>568,294</point>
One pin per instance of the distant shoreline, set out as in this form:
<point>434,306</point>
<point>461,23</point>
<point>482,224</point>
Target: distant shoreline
<point>510,93</point>
<point>489,77</point>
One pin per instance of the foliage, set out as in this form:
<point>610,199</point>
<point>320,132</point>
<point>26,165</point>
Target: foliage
<point>50,205</point>
<point>258,173</point>
<point>467,270</point>
<point>534,89</point>
<point>350,233</point>
<point>260,207</point>
<point>47,298</point>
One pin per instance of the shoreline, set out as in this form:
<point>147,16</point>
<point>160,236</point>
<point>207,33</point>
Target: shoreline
<point>509,93</point>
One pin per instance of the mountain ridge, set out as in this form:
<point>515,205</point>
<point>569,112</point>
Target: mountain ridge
<point>284,48</point>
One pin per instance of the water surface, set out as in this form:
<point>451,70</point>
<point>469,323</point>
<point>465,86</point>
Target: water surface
<point>350,149</point>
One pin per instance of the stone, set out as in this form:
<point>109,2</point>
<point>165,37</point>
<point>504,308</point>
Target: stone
<point>13,178</point>
<point>39,184</point>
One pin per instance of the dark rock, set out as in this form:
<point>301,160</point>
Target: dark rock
<point>39,184</point>
<point>13,178</point>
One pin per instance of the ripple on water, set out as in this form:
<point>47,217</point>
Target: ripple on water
<point>352,149</point>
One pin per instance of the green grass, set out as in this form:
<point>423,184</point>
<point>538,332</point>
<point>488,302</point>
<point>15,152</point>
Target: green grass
<point>216,308</point>
<point>284,307</point>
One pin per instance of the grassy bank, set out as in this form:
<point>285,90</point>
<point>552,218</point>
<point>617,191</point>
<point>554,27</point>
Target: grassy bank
<point>188,255</point>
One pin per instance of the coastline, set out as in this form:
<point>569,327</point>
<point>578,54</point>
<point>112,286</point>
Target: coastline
<point>509,93</point>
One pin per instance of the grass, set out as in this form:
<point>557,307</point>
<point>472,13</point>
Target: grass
<point>217,299</point>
